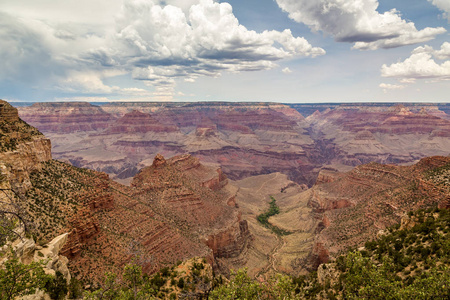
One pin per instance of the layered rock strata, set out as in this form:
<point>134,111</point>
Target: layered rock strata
<point>245,139</point>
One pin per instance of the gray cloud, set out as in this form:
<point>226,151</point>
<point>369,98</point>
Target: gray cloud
<point>357,21</point>
<point>154,41</point>
<point>23,56</point>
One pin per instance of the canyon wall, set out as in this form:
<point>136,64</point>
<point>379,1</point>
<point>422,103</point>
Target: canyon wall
<point>121,138</point>
<point>245,139</point>
<point>22,147</point>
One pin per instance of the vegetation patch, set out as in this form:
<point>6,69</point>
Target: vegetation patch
<point>440,175</point>
<point>264,218</point>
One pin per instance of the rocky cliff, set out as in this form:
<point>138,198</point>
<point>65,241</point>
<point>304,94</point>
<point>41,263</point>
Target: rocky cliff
<point>195,197</point>
<point>27,251</point>
<point>22,148</point>
<point>120,138</point>
<point>64,118</point>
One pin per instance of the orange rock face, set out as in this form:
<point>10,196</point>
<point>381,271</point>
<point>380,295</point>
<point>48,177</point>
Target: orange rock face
<point>229,243</point>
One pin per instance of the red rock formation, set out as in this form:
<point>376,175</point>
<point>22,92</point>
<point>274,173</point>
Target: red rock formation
<point>326,176</point>
<point>246,139</point>
<point>138,122</point>
<point>7,112</point>
<point>84,226</point>
<point>320,255</point>
<point>193,195</point>
<point>66,117</point>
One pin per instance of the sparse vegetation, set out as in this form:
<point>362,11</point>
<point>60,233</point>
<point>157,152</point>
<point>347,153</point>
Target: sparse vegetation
<point>192,283</point>
<point>14,133</point>
<point>58,191</point>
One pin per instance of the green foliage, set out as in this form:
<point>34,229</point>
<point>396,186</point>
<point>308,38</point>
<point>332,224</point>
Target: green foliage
<point>362,279</point>
<point>75,289</point>
<point>405,264</point>
<point>133,286</point>
<point>264,218</point>
<point>180,283</point>
<point>57,287</point>
<point>18,279</point>
<point>241,286</point>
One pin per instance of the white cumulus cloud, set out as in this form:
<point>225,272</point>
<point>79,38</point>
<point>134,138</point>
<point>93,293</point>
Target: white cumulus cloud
<point>443,5</point>
<point>388,86</point>
<point>358,22</point>
<point>424,63</point>
<point>152,41</point>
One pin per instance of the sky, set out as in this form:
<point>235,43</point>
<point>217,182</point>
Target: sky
<point>289,51</point>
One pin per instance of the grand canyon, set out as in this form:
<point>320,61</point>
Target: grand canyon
<point>244,139</point>
<point>159,183</point>
<point>224,149</point>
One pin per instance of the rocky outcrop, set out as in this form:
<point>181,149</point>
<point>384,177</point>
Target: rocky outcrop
<point>326,176</point>
<point>230,242</point>
<point>22,147</point>
<point>193,195</point>
<point>7,112</point>
<point>27,252</point>
<point>84,227</point>
<point>319,255</point>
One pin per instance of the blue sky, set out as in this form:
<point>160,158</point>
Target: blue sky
<point>238,50</point>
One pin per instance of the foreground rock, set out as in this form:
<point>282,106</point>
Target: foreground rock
<point>27,252</point>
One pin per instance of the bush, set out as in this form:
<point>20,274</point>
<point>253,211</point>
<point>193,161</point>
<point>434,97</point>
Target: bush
<point>180,283</point>
<point>57,287</point>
